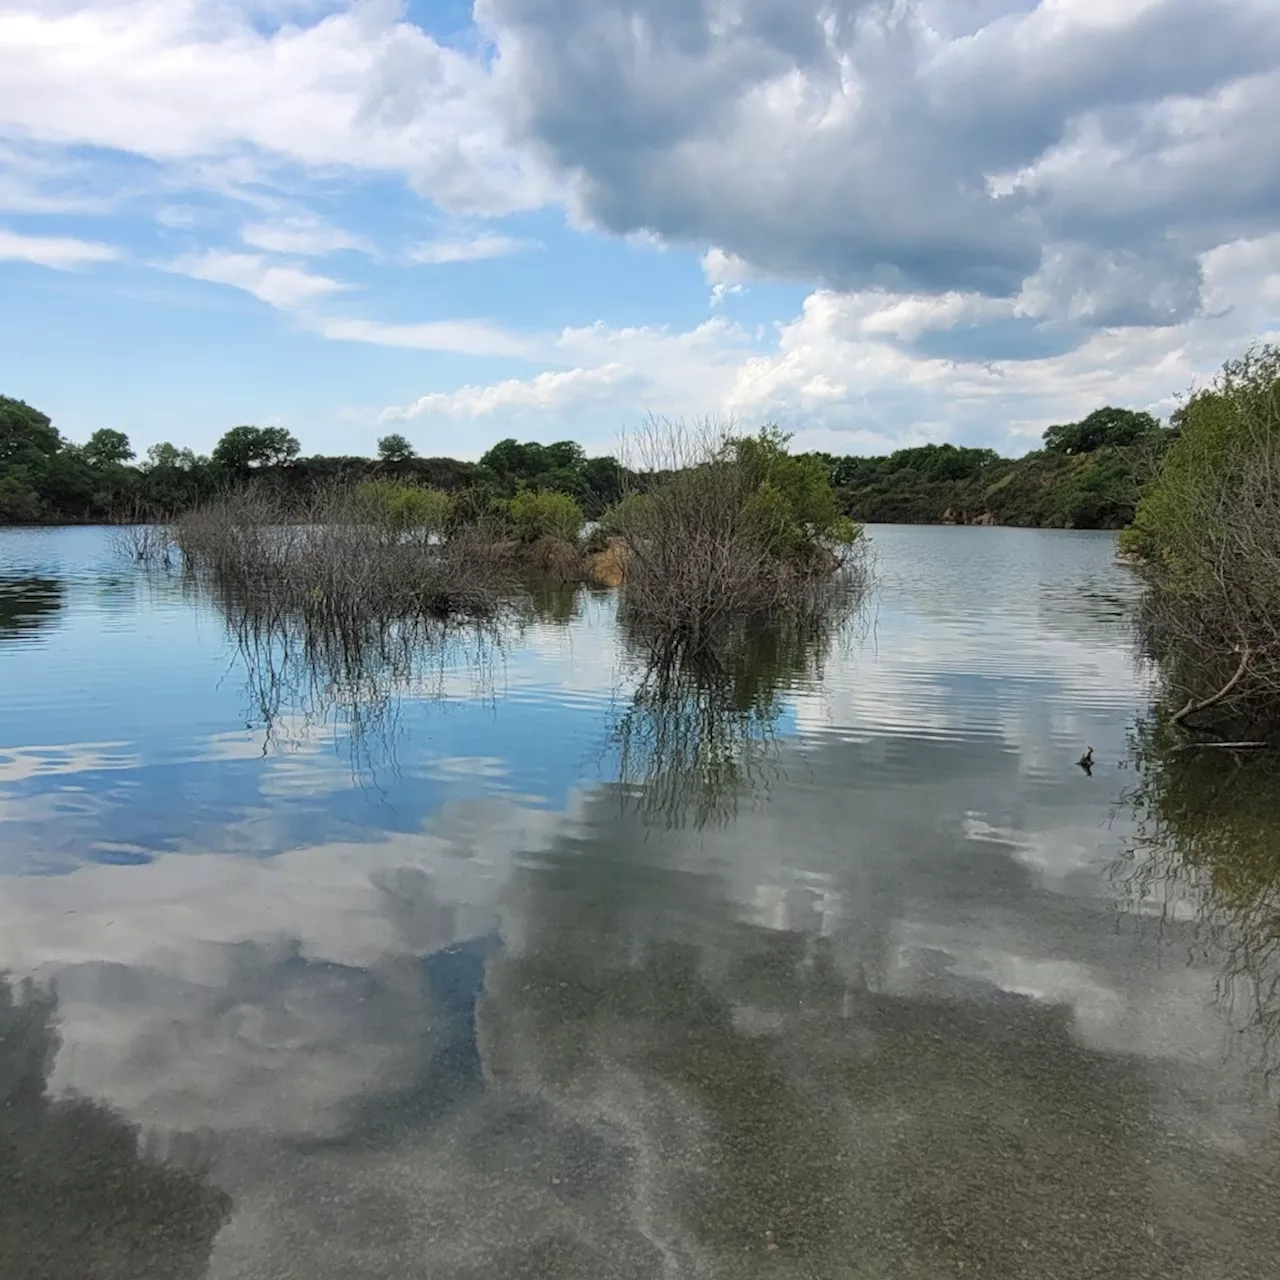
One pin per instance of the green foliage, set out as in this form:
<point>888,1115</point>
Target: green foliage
<point>394,448</point>
<point>1108,427</point>
<point>245,447</point>
<point>539,513</point>
<point>1208,533</point>
<point>168,456</point>
<point>26,434</point>
<point>1091,482</point>
<point>107,448</point>
<point>408,508</point>
<point>594,483</point>
<point>19,502</point>
<point>794,496</point>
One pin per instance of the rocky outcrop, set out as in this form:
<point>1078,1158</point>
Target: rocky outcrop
<point>954,515</point>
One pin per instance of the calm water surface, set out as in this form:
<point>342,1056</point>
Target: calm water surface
<point>503,961</point>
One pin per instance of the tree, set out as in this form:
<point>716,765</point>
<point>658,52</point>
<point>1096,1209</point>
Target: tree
<point>26,434</point>
<point>107,448</point>
<point>1103,427</point>
<point>244,447</point>
<point>168,457</point>
<point>394,448</point>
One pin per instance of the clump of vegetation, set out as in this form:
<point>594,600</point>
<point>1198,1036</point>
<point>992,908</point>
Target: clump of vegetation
<point>725,528</point>
<point>1207,534</point>
<point>534,514</point>
<point>374,551</point>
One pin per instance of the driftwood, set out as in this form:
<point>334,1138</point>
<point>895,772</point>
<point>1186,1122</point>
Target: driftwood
<point>1193,707</point>
<point>1224,746</point>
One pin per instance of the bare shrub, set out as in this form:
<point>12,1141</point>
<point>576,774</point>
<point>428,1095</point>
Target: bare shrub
<point>345,553</point>
<point>722,528</point>
<point>151,545</point>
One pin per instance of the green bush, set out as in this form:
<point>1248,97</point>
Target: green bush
<point>541,513</point>
<point>19,502</point>
<point>1208,533</point>
<point>408,508</point>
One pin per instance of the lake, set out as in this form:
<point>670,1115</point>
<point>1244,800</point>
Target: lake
<point>493,954</point>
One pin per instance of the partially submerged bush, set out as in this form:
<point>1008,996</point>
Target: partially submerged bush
<point>726,528</point>
<point>347,552</point>
<point>1207,533</point>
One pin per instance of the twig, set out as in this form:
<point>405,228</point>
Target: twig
<point>1193,707</point>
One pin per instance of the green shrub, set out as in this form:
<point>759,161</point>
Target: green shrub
<point>541,513</point>
<point>408,508</point>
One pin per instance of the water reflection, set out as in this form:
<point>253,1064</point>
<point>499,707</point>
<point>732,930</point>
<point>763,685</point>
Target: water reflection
<point>27,606</point>
<point>80,1193</point>
<point>353,674</point>
<point>1206,849</point>
<point>696,730</point>
<point>878,1020</point>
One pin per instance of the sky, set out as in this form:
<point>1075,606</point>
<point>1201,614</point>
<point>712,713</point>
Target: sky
<point>877,223</point>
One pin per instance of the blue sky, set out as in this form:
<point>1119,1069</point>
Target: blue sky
<point>874,223</point>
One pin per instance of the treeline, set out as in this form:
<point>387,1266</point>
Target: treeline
<point>46,478</point>
<point>1088,475</point>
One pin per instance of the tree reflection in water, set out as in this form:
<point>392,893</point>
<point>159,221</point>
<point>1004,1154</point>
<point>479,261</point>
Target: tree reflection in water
<point>352,674</point>
<point>27,606</point>
<point>696,730</point>
<point>1207,849</point>
<point>80,1197</point>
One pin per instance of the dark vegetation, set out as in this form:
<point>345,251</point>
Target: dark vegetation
<point>1207,538</point>
<point>1088,475</point>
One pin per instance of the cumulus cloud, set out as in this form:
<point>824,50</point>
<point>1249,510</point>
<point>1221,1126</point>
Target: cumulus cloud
<point>1007,211</point>
<point>725,272</point>
<point>902,145</point>
<point>175,80</point>
<point>874,370</point>
<point>546,391</point>
<point>60,252</point>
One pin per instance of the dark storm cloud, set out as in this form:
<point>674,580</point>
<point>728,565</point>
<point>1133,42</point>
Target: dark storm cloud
<point>859,144</point>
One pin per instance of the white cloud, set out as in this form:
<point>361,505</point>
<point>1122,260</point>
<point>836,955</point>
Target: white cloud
<point>180,80</point>
<point>282,286</point>
<point>60,252</point>
<point>305,236</point>
<point>472,249</point>
<point>546,392</point>
<point>725,272</point>
<point>463,337</point>
<point>857,372</point>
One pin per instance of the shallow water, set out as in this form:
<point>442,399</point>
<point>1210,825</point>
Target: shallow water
<point>487,966</point>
